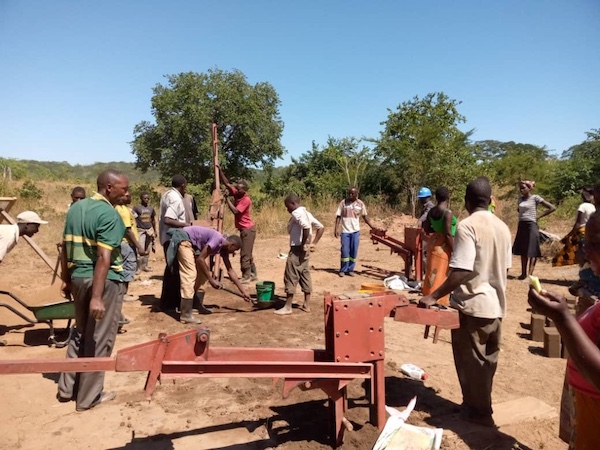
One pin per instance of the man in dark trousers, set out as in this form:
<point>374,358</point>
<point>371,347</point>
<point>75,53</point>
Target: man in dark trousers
<point>92,272</point>
<point>240,207</point>
<point>478,272</point>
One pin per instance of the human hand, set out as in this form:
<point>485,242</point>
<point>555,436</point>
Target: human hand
<point>336,233</point>
<point>97,308</point>
<point>215,284</point>
<point>548,303</point>
<point>426,302</point>
<point>246,296</point>
<point>65,289</point>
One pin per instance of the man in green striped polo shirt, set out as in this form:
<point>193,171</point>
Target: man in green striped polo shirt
<point>92,272</point>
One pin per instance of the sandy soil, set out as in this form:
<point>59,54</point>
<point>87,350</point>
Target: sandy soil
<point>250,413</point>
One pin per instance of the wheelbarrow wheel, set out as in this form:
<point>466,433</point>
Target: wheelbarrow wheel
<point>54,341</point>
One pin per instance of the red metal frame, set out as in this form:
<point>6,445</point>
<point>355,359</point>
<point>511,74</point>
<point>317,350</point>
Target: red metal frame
<point>411,250</point>
<point>354,349</point>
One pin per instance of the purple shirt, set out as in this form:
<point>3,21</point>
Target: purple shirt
<point>201,237</point>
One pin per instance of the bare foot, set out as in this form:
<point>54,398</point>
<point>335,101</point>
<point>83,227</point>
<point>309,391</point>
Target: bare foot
<point>283,311</point>
<point>305,308</point>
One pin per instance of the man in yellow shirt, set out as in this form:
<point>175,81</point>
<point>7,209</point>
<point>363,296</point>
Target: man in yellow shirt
<point>130,246</point>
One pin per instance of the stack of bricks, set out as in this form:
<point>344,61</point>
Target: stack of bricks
<point>543,330</point>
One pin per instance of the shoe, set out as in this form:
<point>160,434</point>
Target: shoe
<point>485,420</point>
<point>147,269</point>
<point>104,397</point>
<point>351,274</point>
<point>199,303</point>
<point>245,280</point>
<point>62,399</point>
<point>131,298</point>
<point>341,274</point>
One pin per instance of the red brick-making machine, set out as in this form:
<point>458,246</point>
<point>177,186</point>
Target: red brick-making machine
<point>410,250</point>
<point>354,349</point>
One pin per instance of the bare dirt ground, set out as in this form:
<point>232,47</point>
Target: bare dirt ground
<point>250,413</point>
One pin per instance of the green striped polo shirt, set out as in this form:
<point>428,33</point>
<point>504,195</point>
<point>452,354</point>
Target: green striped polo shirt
<point>91,223</point>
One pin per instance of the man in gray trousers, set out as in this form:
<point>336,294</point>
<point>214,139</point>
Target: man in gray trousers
<point>92,272</point>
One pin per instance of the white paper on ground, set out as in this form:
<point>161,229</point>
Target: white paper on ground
<point>398,435</point>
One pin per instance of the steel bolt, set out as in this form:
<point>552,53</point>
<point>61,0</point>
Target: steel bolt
<point>337,334</point>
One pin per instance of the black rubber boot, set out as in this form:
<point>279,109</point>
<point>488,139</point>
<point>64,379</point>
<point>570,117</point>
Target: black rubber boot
<point>199,303</point>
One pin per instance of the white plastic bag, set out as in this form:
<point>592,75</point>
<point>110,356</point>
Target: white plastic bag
<point>398,435</point>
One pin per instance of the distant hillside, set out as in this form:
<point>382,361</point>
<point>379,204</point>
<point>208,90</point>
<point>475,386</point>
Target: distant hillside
<point>53,170</point>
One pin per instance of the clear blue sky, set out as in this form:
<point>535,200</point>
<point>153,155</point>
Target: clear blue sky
<point>76,76</point>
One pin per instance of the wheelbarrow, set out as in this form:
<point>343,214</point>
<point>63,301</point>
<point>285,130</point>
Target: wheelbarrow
<point>64,310</point>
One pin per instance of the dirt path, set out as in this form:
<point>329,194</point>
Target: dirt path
<point>250,413</point>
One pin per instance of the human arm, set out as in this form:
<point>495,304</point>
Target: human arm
<point>320,229</point>
<point>336,227</point>
<point>175,223</point>
<point>550,208</point>
<point>582,350</point>
<point>234,278</point>
<point>448,229</point>
<point>130,235</point>
<point>97,307</point>
<point>201,264</point>
<point>225,181</point>
<point>454,280</point>
<point>231,206</point>
<point>65,274</point>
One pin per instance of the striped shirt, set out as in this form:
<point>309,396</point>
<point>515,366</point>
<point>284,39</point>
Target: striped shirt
<point>528,208</point>
<point>93,223</point>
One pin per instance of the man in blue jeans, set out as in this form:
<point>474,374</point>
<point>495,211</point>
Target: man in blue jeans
<point>348,214</point>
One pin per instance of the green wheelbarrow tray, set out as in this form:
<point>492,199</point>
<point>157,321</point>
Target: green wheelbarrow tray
<point>64,310</point>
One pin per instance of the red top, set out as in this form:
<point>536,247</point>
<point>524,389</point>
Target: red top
<point>590,322</point>
<point>243,205</point>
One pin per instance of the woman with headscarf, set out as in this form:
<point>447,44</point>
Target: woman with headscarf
<point>572,252</point>
<point>441,223</point>
<point>527,241</point>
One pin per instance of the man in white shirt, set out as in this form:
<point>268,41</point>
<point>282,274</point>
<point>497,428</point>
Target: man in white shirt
<point>348,214</point>
<point>28,224</point>
<point>172,215</point>
<point>297,268</point>
<point>479,265</point>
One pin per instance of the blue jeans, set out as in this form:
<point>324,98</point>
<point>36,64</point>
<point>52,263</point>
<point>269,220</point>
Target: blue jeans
<point>349,251</point>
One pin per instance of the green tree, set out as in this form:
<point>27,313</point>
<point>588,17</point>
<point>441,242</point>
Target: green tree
<point>423,144</point>
<point>578,167</point>
<point>249,126</point>
<point>508,162</point>
<point>324,170</point>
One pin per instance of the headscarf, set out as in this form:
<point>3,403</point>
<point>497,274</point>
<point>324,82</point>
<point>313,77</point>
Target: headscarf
<point>529,183</point>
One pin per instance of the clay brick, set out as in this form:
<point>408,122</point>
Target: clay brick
<point>552,342</point>
<point>537,327</point>
<point>550,323</point>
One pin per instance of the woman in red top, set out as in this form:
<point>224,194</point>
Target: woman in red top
<point>582,338</point>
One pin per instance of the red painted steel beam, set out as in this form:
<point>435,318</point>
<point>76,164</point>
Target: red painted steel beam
<point>265,354</point>
<point>20,366</point>
<point>265,369</point>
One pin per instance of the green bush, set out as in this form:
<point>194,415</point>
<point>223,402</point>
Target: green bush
<point>30,190</point>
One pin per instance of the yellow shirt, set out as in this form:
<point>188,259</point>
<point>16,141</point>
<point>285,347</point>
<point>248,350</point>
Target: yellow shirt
<point>128,219</point>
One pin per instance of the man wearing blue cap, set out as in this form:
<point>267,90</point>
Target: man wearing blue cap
<point>424,197</point>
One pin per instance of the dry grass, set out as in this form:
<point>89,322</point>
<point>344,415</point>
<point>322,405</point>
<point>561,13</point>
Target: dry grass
<point>271,217</point>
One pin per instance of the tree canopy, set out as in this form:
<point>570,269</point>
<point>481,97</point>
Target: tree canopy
<point>249,126</point>
<point>422,142</point>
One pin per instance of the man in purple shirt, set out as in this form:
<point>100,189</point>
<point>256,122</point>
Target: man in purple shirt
<point>194,271</point>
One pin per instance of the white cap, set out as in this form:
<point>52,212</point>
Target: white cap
<point>30,217</point>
